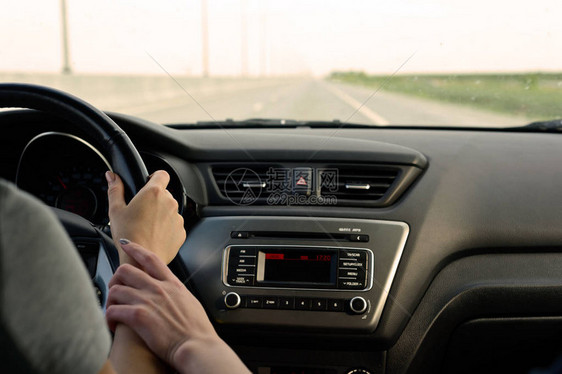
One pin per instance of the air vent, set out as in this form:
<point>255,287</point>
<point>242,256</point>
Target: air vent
<point>311,184</point>
<point>356,183</point>
<point>243,185</point>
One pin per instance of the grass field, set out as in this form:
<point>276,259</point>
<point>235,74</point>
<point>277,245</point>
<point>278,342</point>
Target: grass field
<point>533,95</point>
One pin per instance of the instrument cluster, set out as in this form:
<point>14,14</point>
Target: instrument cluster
<point>67,172</point>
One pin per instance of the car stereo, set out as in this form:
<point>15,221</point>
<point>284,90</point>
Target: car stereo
<point>317,273</point>
<point>298,267</point>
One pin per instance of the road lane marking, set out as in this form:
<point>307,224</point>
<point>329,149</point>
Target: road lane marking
<point>375,118</point>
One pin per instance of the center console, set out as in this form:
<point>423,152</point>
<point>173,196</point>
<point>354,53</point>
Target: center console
<point>294,272</point>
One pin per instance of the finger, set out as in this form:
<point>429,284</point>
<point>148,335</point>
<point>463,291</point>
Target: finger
<point>129,275</point>
<point>115,191</point>
<point>149,262</point>
<point>124,295</point>
<point>175,203</point>
<point>159,178</point>
<point>130,315</point>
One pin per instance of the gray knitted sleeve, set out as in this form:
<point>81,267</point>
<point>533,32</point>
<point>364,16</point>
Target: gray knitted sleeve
<point>48,305</point>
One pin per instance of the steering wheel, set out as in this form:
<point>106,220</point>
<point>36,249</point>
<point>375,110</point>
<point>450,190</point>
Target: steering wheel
<point>113,143</point>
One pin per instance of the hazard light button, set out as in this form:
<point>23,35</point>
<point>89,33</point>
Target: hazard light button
<point>303,181</point>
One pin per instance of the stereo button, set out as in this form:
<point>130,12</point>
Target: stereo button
<point>302,303</point>
<point>359,238</point>
<point>352,274</point>
<point>352,264</point>
<point>335,305</point>
<point>351,284</point>
<point>242,270</point>
<point>318,304</point>
<point>241,280</point>
<point>353,255</point>
<point>271,302</point>
<point>286,303</point>
<point>239,234</point>
<point>247,260</point>
<point>254,302</point>
<point>238,251</point>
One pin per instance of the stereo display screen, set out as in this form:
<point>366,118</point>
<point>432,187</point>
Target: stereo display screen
<point>296,267</point>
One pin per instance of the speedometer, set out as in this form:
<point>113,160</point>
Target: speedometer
<point>66,172</point>
<point>78,189</point>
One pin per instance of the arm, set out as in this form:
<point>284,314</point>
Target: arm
<point>172,322</point>
<point>150,218</point>
<point>50,314</point>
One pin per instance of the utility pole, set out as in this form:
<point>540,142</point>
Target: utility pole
<point>263,44</point>
<point>243,39</point>
<point>205,37</point>
<point>65,53</point>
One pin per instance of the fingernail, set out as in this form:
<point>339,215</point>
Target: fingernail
<point>110,177</point>
<point>124,241</point>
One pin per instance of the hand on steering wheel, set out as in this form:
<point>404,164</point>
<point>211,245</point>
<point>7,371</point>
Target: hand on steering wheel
<point>151,218</point>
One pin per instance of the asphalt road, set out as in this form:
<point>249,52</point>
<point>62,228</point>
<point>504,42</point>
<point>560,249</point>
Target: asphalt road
<point>307,99</point>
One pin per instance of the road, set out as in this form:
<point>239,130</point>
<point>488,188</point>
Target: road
<point>189,99</point>
<point>307,99</point>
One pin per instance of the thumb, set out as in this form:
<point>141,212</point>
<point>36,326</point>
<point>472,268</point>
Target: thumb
<point>115,192</point>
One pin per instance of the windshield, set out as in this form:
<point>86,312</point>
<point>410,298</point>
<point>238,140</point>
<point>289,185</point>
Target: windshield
<point>474,63</point>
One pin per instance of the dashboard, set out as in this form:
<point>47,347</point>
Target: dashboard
<point>441,251</point>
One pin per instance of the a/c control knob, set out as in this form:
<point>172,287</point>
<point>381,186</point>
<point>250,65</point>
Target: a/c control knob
<point>232,300</point>
<point>358,305</point>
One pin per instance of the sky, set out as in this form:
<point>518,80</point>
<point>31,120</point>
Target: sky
<point>266,37</point>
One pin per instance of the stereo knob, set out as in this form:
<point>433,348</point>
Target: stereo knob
<point>232,300</point>
<point>358,305</point>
